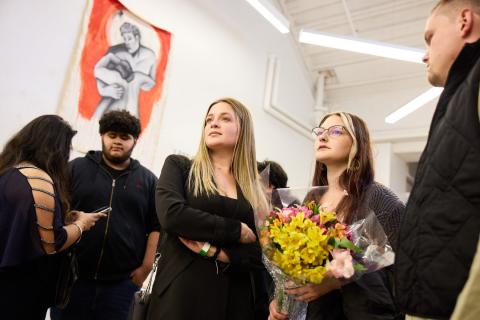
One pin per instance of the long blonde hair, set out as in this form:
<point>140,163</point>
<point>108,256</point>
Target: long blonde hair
<point>243,166</point>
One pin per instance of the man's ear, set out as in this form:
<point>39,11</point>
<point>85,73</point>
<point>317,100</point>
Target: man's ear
<point>466,22</point>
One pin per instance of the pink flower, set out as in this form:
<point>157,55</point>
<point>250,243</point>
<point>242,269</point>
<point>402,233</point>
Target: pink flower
<point>308,212</point>
<point>341,265</point>
<point>302,208</point>
<point>316,219</point>
<point>286,214</point>
<point>349,236</point>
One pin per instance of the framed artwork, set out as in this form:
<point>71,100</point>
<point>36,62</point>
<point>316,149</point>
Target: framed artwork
<point>120,63</point>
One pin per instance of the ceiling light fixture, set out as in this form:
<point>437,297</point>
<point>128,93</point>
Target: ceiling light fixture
<point>413,105</point>
<point>269,12</point>
<point>358,45</point>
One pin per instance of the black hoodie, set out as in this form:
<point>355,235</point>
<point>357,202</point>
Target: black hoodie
<point>116,245</point>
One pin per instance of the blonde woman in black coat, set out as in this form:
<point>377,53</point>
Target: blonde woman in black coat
<point>205,207</point>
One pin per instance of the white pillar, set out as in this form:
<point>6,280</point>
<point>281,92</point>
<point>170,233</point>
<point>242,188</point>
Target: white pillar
<point>390,169</point>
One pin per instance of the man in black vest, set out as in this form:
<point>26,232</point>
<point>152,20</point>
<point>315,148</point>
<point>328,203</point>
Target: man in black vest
<point>439,234</point>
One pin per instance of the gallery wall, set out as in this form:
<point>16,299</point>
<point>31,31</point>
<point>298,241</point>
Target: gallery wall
<point>218,49</point>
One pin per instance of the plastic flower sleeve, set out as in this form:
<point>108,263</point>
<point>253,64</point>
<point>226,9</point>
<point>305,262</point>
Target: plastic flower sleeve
<point>286,304</point>
<point>368,235</point>
<point>303,243</point>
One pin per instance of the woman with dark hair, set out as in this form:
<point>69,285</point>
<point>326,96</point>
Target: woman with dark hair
<point>344,163</point>
<point>34,227</point>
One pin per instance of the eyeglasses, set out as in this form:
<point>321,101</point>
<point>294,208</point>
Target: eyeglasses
<point>333,131</point>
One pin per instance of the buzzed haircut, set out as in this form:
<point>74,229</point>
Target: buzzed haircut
<point>457,4</point>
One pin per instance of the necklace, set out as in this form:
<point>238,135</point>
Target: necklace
<point>330,205</point>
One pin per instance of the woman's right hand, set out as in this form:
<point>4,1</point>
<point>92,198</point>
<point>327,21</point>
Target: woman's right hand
<point>274,315</point>
<point>87,220</point>
<point>246,234</point>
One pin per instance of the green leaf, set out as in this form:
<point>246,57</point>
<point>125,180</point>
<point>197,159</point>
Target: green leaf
<point>359,267</point>
<point>347,244</point>
<point>315,209</point>
<point>333,242</point>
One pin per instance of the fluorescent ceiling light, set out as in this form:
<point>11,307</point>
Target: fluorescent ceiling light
<point>413,105</point>
<point>269,12</point>
<point>358,45</point>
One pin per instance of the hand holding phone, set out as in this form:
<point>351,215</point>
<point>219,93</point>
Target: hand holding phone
<point>105,209</point>
<point>87,220</point>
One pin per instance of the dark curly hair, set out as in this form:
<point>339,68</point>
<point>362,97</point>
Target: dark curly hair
<point>278,177</point>
<point>120,121</point>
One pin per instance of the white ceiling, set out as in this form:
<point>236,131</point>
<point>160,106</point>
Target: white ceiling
<point>369,86</point>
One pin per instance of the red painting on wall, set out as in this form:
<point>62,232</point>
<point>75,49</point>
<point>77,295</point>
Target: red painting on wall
<point>120,63</point>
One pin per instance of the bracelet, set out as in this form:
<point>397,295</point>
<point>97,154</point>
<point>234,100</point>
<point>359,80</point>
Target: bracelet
<point>217,252</point>
<point>79,229</point>
<point>204,250</point>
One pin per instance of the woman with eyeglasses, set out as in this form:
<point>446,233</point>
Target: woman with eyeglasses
<point>344,163</point>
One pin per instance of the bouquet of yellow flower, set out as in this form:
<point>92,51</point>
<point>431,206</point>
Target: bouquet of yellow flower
<point>304,243</point>
<point>307,242</point>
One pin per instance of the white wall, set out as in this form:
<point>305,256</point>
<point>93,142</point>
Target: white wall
<point>391,169</point>
<point>219,48</point>
<point>381,156</point>
<point>398,176</point>
<point>37,43</point>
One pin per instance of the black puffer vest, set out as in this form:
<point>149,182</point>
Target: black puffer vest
<point>439,234</point>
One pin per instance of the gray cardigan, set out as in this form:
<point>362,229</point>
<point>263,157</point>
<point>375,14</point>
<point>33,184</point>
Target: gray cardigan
<point>371,296</point>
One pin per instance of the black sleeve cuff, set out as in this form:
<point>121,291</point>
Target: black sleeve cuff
<point>226,231</point>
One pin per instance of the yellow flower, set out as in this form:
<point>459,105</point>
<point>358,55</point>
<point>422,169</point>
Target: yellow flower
<point>300,247</point>
<point>326,217</point>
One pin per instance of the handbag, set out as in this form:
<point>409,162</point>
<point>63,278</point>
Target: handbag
<point>141,298</point>
<point>67,275</point>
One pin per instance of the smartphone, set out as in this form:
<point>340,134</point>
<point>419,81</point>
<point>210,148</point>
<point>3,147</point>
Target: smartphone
<point>105,209</point>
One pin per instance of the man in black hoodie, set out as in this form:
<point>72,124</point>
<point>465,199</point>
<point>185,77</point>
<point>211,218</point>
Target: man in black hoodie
<point>116,256</point>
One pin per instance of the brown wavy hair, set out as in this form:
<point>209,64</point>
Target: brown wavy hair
<point>44,142</point>
<point>359,173</point>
